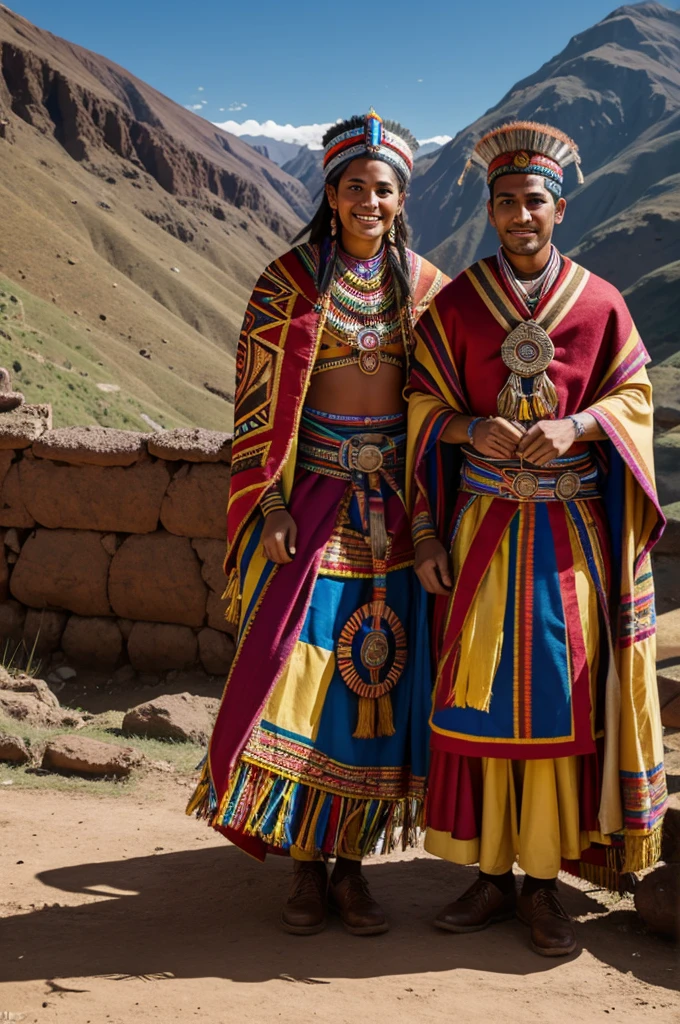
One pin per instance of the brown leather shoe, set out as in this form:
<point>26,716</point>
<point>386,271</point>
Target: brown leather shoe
<point>552,930</point>
<point>351,899</point>
<point>479,906</point>
<point>304,912</point>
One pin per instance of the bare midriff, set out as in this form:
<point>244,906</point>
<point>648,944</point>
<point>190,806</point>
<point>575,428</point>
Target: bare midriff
<point>347,390</point>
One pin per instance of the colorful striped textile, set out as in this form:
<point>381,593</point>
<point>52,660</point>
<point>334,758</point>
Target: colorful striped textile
<point>305,778</point>
<point>546,645</point>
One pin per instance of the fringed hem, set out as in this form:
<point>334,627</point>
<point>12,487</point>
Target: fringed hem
<point>614,867</point>
<point>283,813</point>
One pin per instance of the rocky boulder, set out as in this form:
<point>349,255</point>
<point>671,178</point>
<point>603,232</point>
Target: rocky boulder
<point>13,748</point>
<point>161,647</point>
<point>157,578</point>
<point>30,700</point>
<point>195,504</point>
<point>190,444</point>
<point>63,569</point>
<point>216,651</point>
<point>181,716</point>
<point>657,900</point>
<point>89,757</point>
<point>86,497</point>
<point>21,427</point>
<point>43,630</point>
<point>91,446</point>
<point>94,642</point>
<point>13,511</point>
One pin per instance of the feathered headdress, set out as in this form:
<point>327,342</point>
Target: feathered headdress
<point>526,147</point>
<point>372,137</point>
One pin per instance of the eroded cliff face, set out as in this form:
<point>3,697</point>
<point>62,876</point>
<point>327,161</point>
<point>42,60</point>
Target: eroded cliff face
<point>85,123</point>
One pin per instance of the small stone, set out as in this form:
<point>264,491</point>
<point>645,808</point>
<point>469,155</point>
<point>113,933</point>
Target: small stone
<point>12,541</point>
<point>66,672</point>
<point>110,543</point>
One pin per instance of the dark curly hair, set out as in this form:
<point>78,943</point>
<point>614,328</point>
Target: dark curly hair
<point>319,228</point>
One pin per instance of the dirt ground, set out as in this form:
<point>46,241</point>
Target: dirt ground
<point>120,910</point>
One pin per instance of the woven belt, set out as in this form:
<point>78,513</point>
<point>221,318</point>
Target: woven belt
<point>568,479</point>
<point>361,453</point>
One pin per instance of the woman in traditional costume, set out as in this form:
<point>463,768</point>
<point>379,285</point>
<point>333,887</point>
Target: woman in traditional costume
<point>320,745</point>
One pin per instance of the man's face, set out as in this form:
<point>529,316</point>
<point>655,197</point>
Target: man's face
<point>524,213</point>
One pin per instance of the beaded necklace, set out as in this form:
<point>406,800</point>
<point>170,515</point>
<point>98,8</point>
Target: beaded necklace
<point>530,292</point>
<point>363,311</point>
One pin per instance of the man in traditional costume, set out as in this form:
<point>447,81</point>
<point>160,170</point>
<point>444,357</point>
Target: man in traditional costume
<point>320,746</point>
<point>535,510</point>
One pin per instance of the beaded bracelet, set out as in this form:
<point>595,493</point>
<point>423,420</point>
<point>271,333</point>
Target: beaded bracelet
<point>471,427</point>
<point>579,429</point>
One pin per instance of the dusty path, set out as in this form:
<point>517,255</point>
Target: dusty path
<point>118,911</point>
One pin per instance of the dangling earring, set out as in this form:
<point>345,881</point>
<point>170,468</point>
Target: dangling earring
<point>392,233</point>
<point>334,225</point>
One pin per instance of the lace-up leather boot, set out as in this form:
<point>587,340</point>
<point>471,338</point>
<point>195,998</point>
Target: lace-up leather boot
<point>479,906</point>
<point>552,930</point>
<point>359,912</point>
<point>305,910</point>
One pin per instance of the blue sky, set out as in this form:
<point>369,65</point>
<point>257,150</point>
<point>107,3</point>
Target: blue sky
<point>433,66</point>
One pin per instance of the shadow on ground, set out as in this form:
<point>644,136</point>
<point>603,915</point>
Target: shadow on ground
<point>213,913</point>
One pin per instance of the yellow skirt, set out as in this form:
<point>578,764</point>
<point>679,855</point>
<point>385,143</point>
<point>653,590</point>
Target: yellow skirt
<point>530,815</point>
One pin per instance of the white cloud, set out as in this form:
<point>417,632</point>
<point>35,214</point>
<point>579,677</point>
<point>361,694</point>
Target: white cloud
<point>201,88</point>
<point>438,140</point>
<point>418,79</point>
<point>302,135</point>
<point>236,106</point>
<point>194,106</point>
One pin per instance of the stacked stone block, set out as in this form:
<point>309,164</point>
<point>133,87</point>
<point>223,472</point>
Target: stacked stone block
<point>112,544</point>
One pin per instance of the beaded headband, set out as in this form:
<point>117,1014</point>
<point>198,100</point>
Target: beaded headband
<point>525,147</point>
<point>369,139</point>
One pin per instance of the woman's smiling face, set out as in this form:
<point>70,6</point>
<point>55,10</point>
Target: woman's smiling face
<point>367,198</point>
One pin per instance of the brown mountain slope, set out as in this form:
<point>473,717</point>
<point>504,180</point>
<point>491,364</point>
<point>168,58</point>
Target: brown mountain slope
<point>129,224</point>
<point>616,90</point>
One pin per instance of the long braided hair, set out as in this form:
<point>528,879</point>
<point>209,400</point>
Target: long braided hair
<point>319,228</point>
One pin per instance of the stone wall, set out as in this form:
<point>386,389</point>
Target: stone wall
<point>112,544</point>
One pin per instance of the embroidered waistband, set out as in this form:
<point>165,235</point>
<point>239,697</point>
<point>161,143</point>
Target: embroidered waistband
<point>334,447</point>
<point>567,479</point>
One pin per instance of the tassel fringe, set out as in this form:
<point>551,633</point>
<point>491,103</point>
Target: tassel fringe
<point>375,718</point>
<point>232,596</point>
<point>286,813</point>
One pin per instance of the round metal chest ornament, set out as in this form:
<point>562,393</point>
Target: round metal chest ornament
<point>525,484</point>
<point>568,485</point>
<point>528,350</point>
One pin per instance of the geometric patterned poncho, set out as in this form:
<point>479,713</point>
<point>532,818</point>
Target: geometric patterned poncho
<point>599,366</point>
<point>274,361</point>
<point>281,332</point>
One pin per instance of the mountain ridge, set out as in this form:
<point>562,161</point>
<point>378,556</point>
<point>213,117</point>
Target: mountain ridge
<point>615,88</point>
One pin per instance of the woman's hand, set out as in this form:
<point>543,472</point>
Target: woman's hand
<point>279,536</point>
<point>497,438</point>
<point>432,567</point>
<point>547,440</point>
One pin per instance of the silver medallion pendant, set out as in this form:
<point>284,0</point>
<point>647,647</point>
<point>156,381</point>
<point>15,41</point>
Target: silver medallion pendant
<point>528,350</point>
